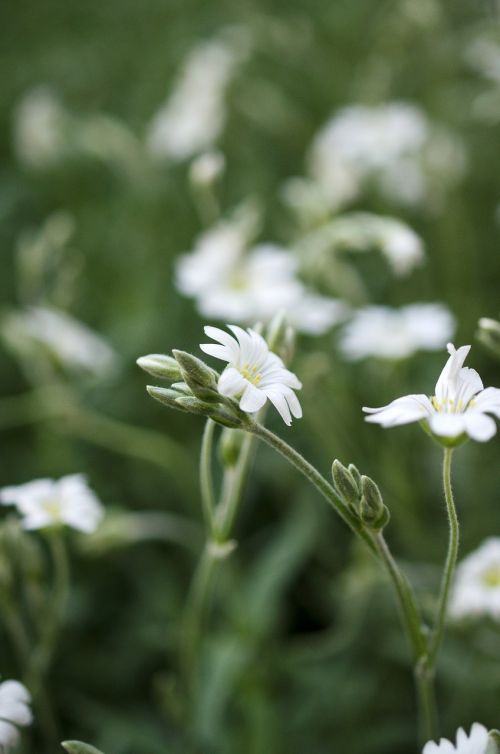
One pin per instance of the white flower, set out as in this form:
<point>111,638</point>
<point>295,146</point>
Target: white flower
<point>70,342</point>
<point>14,711</point>
<point>385,333</point>
<point>193,116</point>
<point>40,125</point>
<point>360,232</point>
<point>459,406</point>
<point>233,282</point>
<point>46,502</point>
<point>390,144</point>
<point>253,373</point>
<point>475,743</point>
<point>476,589</point>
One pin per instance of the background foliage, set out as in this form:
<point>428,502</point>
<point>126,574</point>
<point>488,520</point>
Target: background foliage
<point>303,651</point>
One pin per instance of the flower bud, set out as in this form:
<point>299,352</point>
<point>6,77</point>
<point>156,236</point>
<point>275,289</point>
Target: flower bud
<point>166,396</point>
<point>78,747</point>
<point>193,404</point>
<point>230,446</point>
<point>225,416</point>
<point>493,742</point>
<point>206,168</point>
<point>199,376</point>
<point>280,337</point>
<point>345,484</point>
<point>372,510</point>
<point>355,475</point>
<point>161,366</point>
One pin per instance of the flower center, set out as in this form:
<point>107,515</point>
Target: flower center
<point>251,373</point>
<point>449,406</point>
<point>491,577</point>
<point>52,506</point>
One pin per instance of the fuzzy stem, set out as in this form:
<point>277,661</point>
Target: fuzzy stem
<point>451,557</point>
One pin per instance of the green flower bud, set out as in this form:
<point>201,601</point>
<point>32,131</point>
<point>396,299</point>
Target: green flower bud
<point>372,510</point>
<point>193,404</point>
<point>166,396</point>
<point>230,446</point>
<point>199,376</point>
<point>78,747</point>
<point>276,331</point>
<point>345,484</point>
<point>355,475</point>
<point>493,742</point>
<point>223,415</point>
<point>161,366</point>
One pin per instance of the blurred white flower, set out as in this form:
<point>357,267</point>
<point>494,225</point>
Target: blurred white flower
<point>47,502</point>
<point>253,374</point>
<point>362,231</point>
<point>68,341</point>
<point>476,591</point>
<point>15,712</point>
<point>40,124</point>
<point>234,282</point>
<point>385,333</point>
<point>207,168</point>
<point>392,145</point>
<point>460,404</point>
<point>193,116</point>
<point>474,743</point>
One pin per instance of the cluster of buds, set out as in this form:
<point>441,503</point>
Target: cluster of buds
<point>361,495</point>
<point>193,388</point>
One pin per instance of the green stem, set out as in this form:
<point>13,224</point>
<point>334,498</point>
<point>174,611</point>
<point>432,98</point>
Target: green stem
<point>412,625</point>
<point>313,475</point>
<point>206,479</point>
<point>232,491</point>
<point>451,557</point>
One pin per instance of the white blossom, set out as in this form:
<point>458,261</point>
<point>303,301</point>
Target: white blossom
<point>392,145</point>
<point>193,116</point>
<point>70,342</point>
<point>474,743</point>
<point>386,333</point>
<point>460,405</point>
<point>253,374</point>
<point>40,125</point>
<point>47,502</point>
<point>476,590</point>
<point>15,712</point>
<point>232,280</point>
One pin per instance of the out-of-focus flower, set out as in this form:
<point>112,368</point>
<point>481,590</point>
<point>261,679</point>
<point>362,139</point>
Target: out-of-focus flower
<point>253,374</point>
<point>382,332</point>
<point>474,743</point>
<point>194,114</point>
<point>232,280</point>
<point>361,232</point>
<point>47,502</point>
<point>40,128</point>
<point>15,712</point>
<point>207,168</point>
<point>66,340</point>
<point>459,407</point>
<point>476,590</point>
<point>392,146</point>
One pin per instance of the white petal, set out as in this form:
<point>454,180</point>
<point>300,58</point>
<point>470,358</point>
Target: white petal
<point>446,384</point>
<point>293,402</point>
<point>447,425</point>
<point>275,395</point>
<point>478,740</point>
<point>252,399</point>
<point>8,734</point>
<point>218,352</point>
<point>231,382</point>
<point>409,408</point>
<point>479,426</point>
<point>488,401</point>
